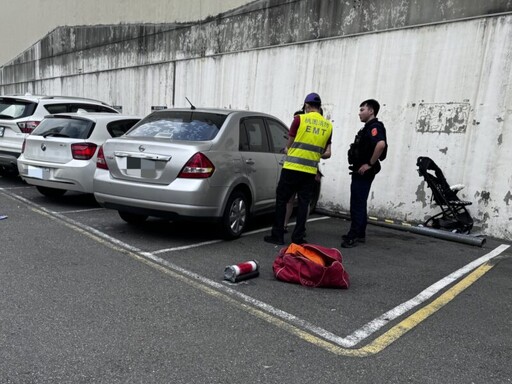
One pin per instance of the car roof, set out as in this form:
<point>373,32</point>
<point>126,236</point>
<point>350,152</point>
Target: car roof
<point>221,111</point>
<point>38,98</point>
<point>96,116</point>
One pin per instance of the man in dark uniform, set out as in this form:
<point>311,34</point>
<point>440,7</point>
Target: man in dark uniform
<point>370,146</point>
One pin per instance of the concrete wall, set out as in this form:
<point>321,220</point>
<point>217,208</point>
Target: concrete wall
<point>24,22</point>
<point>444,87</point>
<point>443,97</point>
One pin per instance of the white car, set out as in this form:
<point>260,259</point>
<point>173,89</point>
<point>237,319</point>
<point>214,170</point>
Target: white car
<point>20,115</point>
<point>60,154</point>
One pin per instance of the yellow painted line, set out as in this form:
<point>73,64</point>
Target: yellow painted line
<point>416,318</point>
<point>374,347</point>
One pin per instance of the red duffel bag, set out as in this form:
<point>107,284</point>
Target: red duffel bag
<point>311,265</point>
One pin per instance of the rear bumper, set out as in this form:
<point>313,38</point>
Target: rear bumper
<point>157,209</point>
<point>73,176</point>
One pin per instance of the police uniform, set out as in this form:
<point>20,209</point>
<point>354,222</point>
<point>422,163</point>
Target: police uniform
<point>360,153</point>
<point>299,172</point>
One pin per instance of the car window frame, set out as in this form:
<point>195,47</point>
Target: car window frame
<point>110,124</point>
<point>270,137</point>
<point>29,110</point>
<point>265,143</point>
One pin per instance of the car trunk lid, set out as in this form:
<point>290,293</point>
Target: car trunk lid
<point>149,160</point>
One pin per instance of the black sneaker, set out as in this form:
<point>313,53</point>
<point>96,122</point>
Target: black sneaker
<point>300,241</point>
<point>349,243</point>
<point>273,240</point>
<point>358,239</point>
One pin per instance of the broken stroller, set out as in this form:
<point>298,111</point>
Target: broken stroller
<point>453,216</point>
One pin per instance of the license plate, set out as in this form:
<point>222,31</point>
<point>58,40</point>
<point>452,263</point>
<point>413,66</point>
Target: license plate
<point>38,172</point>
<point>2,129</point>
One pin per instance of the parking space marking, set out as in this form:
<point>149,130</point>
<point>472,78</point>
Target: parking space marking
<point>189,246</point>
<point>182,247</point>
<point>286,321</point>
<point>13,188</point>
<point>80,210</point>
<point>416,318</point>
<point>376,324</point>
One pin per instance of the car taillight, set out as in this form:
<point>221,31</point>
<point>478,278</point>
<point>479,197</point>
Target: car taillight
<point>83,151</point>
<point>198,167</point>
<point>101,163</point>
<point>28,126</point>
<point>23,145</point>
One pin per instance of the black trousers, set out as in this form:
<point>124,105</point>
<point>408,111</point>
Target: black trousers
<point>359,192</point>
<point>292,182</point>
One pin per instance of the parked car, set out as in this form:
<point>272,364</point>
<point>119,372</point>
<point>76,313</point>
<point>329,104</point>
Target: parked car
<point>60,154</point>
<point>204,164</point>
<point>20,115</point>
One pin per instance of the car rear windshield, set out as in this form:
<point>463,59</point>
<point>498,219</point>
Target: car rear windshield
<point>64,127</point>
<point>15,109</point>
<point>180,125</point>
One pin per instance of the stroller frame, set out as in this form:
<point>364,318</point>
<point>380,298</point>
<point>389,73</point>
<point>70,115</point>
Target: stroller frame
<point>453,216</point>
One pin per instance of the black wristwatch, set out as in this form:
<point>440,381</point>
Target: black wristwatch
<point>370,164</point>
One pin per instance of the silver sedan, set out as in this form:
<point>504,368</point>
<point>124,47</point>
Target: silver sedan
<point>209,164</point>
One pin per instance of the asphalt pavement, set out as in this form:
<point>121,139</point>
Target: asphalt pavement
<point>87,298</point>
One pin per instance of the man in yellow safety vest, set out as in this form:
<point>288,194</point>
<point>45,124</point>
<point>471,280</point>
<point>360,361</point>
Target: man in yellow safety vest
<point>309,141</point>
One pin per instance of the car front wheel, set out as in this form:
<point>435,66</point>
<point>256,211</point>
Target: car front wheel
<point>235,215</point>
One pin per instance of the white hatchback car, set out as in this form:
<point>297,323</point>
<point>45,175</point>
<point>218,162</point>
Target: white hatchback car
<point>20,115</point>
<point>60,154</point>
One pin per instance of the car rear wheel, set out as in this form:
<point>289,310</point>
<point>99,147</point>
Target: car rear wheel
<point>50,192</point>
<point>132,218</point>
<point>8,171</point>
<point>235,215</point>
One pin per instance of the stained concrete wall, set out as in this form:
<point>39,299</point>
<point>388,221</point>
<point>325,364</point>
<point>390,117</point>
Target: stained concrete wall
<point>444,85</point>
<point>24,22</point>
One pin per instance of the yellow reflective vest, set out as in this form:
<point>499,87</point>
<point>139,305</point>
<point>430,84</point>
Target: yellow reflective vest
<point>309,144</point>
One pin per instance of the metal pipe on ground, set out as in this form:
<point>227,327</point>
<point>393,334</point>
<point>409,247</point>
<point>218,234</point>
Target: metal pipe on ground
<point>438,233</point>
<point>426,231</point>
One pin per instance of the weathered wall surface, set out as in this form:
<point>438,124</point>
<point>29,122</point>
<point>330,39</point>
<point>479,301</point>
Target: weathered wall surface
<point>445,88</point>
<point>24,22</point>
<point>443,97</point>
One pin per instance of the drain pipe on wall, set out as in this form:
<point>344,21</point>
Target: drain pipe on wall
<point>426,231</point>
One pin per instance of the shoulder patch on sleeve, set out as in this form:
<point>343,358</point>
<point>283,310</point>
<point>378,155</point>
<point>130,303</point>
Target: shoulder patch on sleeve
<point>374,132</point>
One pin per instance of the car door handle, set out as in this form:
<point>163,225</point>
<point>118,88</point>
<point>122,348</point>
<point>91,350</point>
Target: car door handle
<point>249,161</point>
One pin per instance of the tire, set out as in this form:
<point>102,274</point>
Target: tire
<point>235,216</point>
<point>132,218</point>
<point>50,192</point>
<point>8,171</point>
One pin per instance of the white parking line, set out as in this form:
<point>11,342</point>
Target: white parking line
<point>349,341</point>
<point>181,248</point>
<point>80,210</point>
<point>376,324</point>
<point>13,188</point>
